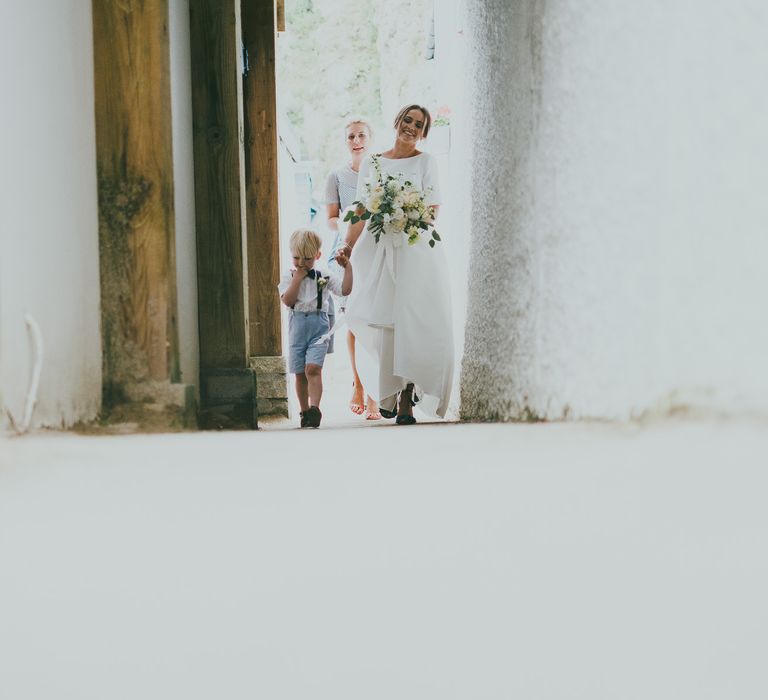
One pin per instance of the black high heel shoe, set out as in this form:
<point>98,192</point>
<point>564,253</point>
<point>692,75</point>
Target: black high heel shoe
<point>405,419</point>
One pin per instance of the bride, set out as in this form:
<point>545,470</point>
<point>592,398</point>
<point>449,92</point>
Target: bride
<point>400,307</point>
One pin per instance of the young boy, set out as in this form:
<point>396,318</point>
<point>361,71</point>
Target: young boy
<point>305,291</point>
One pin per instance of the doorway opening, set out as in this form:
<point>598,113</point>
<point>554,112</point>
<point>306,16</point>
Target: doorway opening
<point>340,60</point>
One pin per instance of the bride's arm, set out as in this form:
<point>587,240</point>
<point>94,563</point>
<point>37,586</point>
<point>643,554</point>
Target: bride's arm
<point>354,231</point>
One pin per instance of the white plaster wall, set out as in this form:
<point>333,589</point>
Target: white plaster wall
<point>184,191</point>
<point>619,208</point>
<point>453,157</point>
<point>49,264</point>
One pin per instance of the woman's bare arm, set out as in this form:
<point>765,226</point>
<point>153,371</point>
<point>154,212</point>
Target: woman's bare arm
<point>346,283</point>
<point>332,216</point>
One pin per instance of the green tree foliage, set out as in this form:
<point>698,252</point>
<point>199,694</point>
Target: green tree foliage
<point>340,59</point>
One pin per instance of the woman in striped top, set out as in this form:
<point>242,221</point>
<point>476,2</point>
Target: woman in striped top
<point>341,189</point>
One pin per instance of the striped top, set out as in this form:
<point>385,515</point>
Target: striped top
<point>341,189</point>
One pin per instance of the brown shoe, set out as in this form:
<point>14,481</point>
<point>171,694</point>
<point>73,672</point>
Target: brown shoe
<point>313,417</point>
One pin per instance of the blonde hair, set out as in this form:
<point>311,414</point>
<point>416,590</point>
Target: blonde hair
<point>364,122</point>
<point>427,117</point>
<point>305,243</point>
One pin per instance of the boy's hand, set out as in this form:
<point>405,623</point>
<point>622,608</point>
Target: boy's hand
<point>301,272</point>
<point>342,258</point>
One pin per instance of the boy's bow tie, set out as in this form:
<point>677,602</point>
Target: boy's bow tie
<point>313,273</point>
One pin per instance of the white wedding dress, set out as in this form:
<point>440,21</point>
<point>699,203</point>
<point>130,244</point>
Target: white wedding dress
<point>400,306</point>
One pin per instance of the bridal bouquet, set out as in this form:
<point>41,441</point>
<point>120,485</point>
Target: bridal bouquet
<point>394,206</point>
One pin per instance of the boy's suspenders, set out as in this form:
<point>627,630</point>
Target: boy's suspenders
<point>318,277</point>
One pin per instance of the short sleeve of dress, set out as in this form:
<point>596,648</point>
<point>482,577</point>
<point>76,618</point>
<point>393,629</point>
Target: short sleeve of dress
<point>431,180</point>
<point>332,189</point>
<point>362,178</point>
<point>285,280</point>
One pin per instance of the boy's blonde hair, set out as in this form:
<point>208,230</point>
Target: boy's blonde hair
<point>305,243</point>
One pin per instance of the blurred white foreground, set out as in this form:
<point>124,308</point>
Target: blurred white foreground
<point>441,561</point>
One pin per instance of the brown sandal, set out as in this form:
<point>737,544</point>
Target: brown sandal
<point>372,415</point>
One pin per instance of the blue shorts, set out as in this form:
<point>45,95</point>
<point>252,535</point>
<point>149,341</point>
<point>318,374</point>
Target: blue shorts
<point>304,330</point>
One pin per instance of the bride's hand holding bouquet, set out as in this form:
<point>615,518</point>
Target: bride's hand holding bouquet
<point>395,207</point>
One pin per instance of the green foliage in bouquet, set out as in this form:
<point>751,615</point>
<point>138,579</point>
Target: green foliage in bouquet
<point>395,207</point>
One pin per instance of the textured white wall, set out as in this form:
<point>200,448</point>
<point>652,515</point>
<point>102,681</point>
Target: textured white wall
<point>619,208</point>
<point>49,264</point>
<point>453,154</point>
<point>184,191</point>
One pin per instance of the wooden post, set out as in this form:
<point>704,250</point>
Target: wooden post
<point>215,45</point>
<point>135,175</point>
<point>261,178</point>
<point>262,204</point>
<point>227,384</point>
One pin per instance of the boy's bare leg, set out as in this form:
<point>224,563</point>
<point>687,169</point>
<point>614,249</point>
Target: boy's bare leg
<point>302,390</point>
<point>314,375</point>
<point>357,391</point>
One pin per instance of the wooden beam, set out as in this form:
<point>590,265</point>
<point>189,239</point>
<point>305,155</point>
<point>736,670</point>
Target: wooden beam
<point>260,115</point>
<point>135,171</point>
<point>222,284</point>
<point>280,10</point>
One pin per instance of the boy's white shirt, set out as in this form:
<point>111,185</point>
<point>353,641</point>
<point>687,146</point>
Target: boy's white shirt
<point>307,297</point>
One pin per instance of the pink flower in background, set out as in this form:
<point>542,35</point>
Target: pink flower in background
<point>443,116</point>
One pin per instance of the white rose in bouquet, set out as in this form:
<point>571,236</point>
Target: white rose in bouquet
<point>411,199</point>
<point>394,206</point>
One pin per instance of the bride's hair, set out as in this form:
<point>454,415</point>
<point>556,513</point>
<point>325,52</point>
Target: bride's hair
<point>364,122</point>
<point>427,117</point>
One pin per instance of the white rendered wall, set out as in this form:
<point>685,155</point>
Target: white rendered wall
<point>453,152</point>
<point>184,191</point>
<point>49,265</point>
<point>620,216</point>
